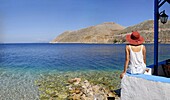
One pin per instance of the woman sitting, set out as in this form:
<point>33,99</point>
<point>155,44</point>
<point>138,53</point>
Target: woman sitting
<point>135,55</point>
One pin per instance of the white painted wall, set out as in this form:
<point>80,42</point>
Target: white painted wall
<point>134,88</point>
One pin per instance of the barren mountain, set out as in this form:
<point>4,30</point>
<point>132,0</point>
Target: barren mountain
<point>114,33</point>
<point>93,34</point>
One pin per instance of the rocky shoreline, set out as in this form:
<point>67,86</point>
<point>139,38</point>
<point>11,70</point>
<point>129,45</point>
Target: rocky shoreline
<point>92,85</point>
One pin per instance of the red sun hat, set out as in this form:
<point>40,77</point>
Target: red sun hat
<point>135,38</point>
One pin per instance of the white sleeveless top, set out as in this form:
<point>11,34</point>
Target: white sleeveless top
<point>136,62</point>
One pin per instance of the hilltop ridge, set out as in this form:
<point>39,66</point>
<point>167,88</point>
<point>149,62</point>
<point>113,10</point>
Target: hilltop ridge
<point>110,32</point>
<point>92,34</point>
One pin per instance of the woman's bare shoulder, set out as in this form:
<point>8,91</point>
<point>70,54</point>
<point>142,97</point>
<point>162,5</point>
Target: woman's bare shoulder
<point>144,48</point>
<point>127,46</point>
<point>143,45</point>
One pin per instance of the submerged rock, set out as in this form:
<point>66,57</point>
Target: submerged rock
<point>92,85</point>
<point>74,81</point>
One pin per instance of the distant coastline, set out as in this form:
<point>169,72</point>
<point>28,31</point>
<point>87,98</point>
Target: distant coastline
<point>97,43</point>
<point>74,43</point>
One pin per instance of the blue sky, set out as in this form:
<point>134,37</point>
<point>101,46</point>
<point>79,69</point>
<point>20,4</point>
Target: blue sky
<point>27,21</point>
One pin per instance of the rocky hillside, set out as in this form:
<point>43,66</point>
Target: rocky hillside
<point>146,29</point>
<point>114,33</point>
<point>94,34</point>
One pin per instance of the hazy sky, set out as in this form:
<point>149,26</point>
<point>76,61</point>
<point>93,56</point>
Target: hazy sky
<point>43,20</point>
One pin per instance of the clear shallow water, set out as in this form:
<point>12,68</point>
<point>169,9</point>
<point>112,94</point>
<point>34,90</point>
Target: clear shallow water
<point>21,64</point>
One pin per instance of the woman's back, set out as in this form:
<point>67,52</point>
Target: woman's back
<point>136,48</point>
<point>136,61</point>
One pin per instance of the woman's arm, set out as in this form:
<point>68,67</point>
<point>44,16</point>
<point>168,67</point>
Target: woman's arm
<point>126,58</point>
<point>126,61</point>
<point>144,54</point>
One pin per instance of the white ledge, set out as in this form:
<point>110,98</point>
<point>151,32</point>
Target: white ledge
<point>145,87</point>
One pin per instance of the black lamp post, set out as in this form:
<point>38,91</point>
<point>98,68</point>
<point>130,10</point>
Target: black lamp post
<point>163,17</point>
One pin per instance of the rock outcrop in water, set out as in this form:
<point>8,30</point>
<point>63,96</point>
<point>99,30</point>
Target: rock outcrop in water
<point>114,33</point>
<point>91,85</point>
<point>84,90</point>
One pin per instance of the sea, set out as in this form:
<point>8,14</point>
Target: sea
<point>22,63</point>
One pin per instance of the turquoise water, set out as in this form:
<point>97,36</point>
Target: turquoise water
<point>21,64</point>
